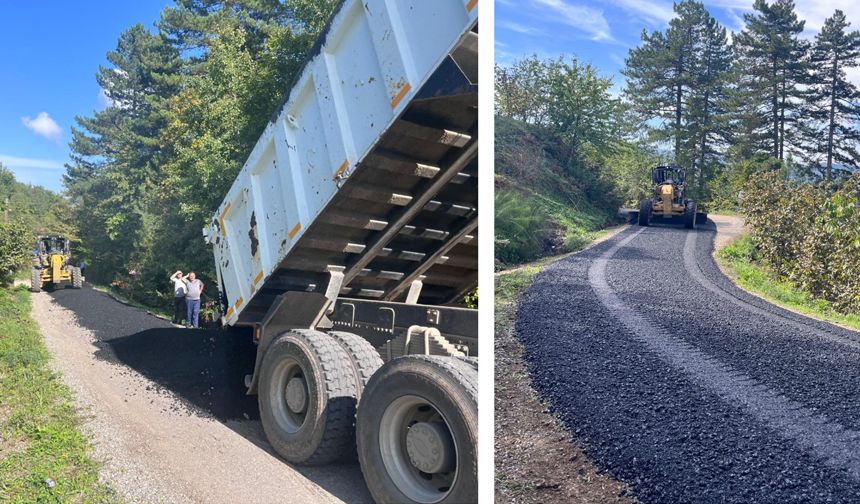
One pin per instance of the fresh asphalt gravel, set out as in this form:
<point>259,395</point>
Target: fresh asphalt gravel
<point>204,368</point>
<point>684,386</point>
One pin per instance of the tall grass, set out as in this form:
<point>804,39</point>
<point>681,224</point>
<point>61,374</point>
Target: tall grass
<point>43,455</point>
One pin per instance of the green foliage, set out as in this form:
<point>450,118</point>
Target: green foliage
<point>808,235</point>
<point>189,102</point>
<point>39,426</point>
<point>832,99</point>
<point>741,260</point>
<point>15,246</point>
<point>39,210</point>
<point>678,80</point>
<point>772,59</point>
<point>541,207</point>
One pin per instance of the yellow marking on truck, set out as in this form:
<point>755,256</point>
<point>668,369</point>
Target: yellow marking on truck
<point>343,167</point>
<point>229,312</point>
<point>239,302</point>
<point>295,230</point>
<point>258,278</point>
<point>221,218</point>
<point>405,89</point>
<point>471,5</point>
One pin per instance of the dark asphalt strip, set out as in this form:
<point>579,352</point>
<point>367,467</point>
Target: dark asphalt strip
<point>647,421</point>
<point>831,442</point>
<point>204,368</point>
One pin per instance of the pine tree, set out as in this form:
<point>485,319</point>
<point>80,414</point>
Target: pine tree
<point>681,77</point>
<point>707,126</point>
<point>833,101</point>
<point>116,154</point>
<point>771,53</point>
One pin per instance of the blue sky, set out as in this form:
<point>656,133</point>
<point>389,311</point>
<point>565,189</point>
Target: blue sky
<point>603,32</point>
<point>50,51</point>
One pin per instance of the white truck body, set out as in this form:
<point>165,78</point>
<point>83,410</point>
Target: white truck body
<point>375,55</point>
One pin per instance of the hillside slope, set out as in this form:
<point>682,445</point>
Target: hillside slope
<point>545,204</point>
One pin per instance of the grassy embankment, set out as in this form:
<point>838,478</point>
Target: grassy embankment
<point>544,207</point>
<point>739,261</point>
<point>43,455</point>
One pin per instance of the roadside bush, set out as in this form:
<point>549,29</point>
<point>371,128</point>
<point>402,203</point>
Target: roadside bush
<point>521,228</point>
<point>809,235</point>
<point>14,249</point>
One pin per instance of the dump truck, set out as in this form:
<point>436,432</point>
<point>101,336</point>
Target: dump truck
<point>669,198</point>
<point>52,264</point>
<point>348,242</point>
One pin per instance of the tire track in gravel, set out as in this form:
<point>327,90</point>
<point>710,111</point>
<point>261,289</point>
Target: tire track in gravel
<point>812,432</point>
<point>736,296</point>
<point>687,397</point>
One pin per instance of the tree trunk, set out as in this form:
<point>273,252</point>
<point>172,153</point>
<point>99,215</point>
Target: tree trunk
<point>775,106</point>
<point>678,98</point>
<point>832,126</point>
<point>783,94</point>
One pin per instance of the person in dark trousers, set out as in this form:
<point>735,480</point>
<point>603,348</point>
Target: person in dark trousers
<point>178,297</point>
<point>193,291</point>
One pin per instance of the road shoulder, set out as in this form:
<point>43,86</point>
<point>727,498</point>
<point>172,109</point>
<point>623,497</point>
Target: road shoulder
<point>537,459</point>
<point>152,450</point>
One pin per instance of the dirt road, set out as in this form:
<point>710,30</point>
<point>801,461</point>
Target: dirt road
<point>687,388</point>
<point>166,408</point>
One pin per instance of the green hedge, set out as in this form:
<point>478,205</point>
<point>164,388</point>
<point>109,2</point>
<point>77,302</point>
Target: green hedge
<point>809,234</point>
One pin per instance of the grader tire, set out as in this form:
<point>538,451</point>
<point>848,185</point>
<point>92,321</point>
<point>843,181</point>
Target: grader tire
<point>35,280</point>
<point>77,280</point>
<point>417,431</point>
<point>690,214</point>
<point>307,397</point>
<point>645,212</point>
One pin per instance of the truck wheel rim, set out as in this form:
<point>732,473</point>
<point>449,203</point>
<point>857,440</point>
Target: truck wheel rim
<point>287,376</point>
<point>399,416</point>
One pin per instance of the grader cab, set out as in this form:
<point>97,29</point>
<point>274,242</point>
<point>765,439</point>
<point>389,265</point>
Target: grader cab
<point>52,264</point>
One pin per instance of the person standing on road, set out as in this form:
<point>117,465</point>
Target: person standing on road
<point>178,297</point>
<point>193,291</point>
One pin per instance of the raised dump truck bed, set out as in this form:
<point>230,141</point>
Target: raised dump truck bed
<point>370,164</point>
<point>348,242</point>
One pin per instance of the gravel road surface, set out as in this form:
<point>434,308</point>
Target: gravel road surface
<point>167,410</point>
<point>686,387</point>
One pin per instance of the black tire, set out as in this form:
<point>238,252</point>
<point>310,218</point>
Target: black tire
<point>324,430</point>
<point>35,280</point>
<point>645,212</point>
<point>447,390</point>
<point>77,280</point>
<point>365,359</point>
<point>472,361</point>
<point>690,214</point>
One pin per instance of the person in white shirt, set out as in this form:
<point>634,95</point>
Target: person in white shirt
<point>178,297</point>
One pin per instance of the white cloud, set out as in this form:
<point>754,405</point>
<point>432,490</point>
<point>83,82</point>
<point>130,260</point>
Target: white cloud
<point>20,162</point>
<point>583,18</point>
<point>656,13</point>
<point>44,126</point>
<point>517,27</point>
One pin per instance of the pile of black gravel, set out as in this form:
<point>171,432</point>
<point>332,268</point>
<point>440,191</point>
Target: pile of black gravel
<point>205,368</point>
<point>647,422</point>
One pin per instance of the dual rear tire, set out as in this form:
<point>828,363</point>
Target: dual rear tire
<point>415,418</point>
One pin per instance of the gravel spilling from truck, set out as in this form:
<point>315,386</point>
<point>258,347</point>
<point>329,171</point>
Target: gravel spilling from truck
<point>742,426</point>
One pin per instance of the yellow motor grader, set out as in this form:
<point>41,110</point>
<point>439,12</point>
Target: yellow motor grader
<point>52,264</point>
<point>669,198</point>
